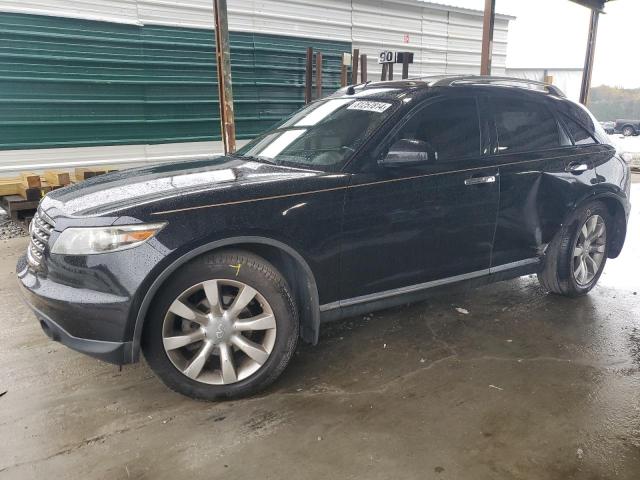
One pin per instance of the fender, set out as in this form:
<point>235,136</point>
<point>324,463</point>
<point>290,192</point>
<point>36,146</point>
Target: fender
<point>621,224</point>
<point>312,289</point>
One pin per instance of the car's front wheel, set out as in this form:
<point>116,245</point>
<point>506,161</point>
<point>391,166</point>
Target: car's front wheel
<point>224,326</point>
<point>576,258</point>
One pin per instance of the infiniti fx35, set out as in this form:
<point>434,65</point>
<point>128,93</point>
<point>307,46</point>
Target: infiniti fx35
<point>375,196</point>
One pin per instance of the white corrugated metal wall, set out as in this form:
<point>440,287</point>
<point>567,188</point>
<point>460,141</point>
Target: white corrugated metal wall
<point>326,19</point>
<point>568,80</point>
<point>444,40</point>
<point>432,29</point>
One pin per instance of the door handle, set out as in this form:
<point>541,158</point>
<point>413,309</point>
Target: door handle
<point>480,180</point>
<point>577,167</point>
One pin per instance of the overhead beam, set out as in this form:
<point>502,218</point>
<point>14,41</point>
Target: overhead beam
<point>589,57</point>
<point>487,36</point>
<point>223,63</point>
<point>592,4</point>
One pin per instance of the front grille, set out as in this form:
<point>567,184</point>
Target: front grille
<point>40,230</point>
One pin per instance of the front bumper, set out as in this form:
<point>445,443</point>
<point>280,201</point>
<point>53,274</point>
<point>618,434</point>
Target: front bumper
<point>82,311</point>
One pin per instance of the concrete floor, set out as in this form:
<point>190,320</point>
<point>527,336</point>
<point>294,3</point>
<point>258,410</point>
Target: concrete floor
<point>524,386</point>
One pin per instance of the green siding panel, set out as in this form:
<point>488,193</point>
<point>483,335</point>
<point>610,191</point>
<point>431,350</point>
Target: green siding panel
<point>67,82</point>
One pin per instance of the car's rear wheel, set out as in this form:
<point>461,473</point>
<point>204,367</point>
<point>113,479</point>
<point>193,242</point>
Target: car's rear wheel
<point>576,258</point>
<point>628,131</point>
<point>224,326</point>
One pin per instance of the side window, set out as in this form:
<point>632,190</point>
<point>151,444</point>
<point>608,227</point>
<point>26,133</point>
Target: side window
<point>449,127</point>
<point>523,126</point>
<point>579,133</point>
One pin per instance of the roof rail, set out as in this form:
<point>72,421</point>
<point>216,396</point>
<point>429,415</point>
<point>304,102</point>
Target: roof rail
<point>500,81</point>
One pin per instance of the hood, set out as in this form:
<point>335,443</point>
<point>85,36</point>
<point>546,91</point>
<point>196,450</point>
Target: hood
<point>118,191</point>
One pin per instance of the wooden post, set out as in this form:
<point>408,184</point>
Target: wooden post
<point>405,66</point>
<point>363,68</point>
<point>318,74</point>
<point>487,36</point>
<point>223,63</point>
<point>385,69</point>
<point>354,66</point>
<point>346,60</point>
<point>391,71</point>
<point>589,57</point>
<point>308,76</point>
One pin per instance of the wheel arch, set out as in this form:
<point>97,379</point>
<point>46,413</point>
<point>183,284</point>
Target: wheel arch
<point>618,213</point>
<point>290,263</point>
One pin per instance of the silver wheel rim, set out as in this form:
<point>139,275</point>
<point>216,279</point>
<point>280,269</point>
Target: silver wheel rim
<point>219,331</point>
<point>589,250</point>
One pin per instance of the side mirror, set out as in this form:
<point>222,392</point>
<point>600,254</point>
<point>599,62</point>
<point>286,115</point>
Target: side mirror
<point>408,152</point>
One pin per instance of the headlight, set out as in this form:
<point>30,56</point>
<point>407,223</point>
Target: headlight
<point>89,241</point>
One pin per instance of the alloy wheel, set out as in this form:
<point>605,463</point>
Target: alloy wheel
<point>589,250</point>
<point>219,331</point>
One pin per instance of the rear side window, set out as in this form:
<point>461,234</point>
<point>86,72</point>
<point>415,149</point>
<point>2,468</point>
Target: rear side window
<point>523,126</point>
<point>450,127</point>
<point>579,133</point>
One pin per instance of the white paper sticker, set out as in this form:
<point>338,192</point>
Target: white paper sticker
<point>378,107</point>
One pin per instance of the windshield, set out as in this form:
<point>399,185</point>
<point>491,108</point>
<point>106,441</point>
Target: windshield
<point>322,135</point>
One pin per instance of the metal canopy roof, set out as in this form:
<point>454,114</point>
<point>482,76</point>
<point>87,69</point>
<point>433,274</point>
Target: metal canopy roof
<point>592,4</point>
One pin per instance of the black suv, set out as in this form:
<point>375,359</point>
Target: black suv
<point>372,197</point>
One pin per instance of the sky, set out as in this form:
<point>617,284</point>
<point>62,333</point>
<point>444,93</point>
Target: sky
<point>553,33</point>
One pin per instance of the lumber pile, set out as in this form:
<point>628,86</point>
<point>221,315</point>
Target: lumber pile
<point>31,186</point>
<point>23,193</point>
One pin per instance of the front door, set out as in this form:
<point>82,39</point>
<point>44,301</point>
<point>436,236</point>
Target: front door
<point>409,225</point>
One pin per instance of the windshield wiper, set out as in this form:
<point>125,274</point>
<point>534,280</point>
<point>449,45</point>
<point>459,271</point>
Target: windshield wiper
<point>258,158</point>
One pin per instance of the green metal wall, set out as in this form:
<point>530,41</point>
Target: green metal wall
<point>67,82</point>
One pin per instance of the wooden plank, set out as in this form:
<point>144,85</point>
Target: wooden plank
<point>346,61</point>
<point>30,180</point>
<point>14,204</point>
<point>57,177</point>
<point>405,66</point>
<point>9,186</point>
<point>363,68</point>
<point>84,173</point>
<point>343,75</point>
<point>308,76</point>
<point>30,194</point>
<point>318,75</point>
<point>355,58</point>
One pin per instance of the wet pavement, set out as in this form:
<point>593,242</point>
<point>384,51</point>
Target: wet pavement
<point>524,386</point>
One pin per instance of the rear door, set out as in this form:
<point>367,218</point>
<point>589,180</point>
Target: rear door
<point>535,155</point>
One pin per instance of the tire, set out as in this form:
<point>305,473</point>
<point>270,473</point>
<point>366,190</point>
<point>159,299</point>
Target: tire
<point>628,131</point>
<point>227,273</point>
<point>562,272</point>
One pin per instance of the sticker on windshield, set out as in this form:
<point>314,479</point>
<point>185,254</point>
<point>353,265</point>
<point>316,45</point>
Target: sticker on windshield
<point>377,107</point>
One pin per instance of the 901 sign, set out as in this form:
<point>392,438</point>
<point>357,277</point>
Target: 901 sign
<point>387,57</point>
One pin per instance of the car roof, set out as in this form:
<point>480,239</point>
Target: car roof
<point>393,89</point>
